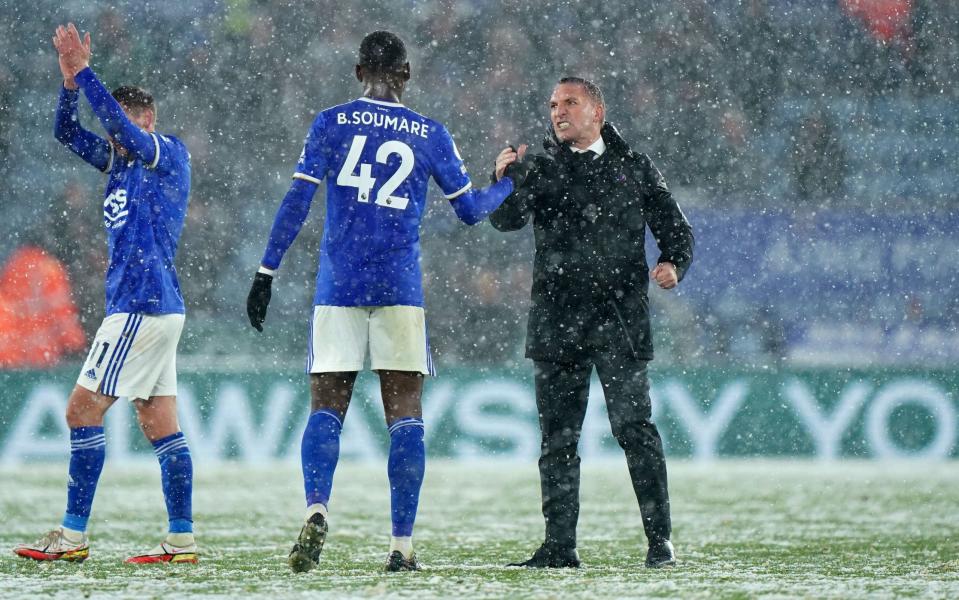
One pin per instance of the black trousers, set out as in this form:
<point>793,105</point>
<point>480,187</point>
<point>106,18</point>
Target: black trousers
<point>562,391</point>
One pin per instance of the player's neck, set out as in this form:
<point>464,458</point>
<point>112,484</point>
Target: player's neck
<point>381,90</point>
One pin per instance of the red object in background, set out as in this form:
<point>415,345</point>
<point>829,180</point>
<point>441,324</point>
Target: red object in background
<point>886,20</point>
<point>39,322</point>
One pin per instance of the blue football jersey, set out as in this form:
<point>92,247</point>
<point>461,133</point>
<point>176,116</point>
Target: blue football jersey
<point>377,158</point>
<point>143,211</point>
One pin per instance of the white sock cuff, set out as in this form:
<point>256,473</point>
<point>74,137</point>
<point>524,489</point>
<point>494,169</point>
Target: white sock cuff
<point>71,535</point>
<point>180,539</point>
<point>315,508</point>
<point>403,544</point>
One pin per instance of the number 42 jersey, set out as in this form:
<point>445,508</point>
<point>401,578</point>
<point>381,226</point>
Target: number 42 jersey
<point>377,158</point>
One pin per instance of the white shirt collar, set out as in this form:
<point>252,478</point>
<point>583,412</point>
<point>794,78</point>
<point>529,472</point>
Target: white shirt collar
<point>599,146</point>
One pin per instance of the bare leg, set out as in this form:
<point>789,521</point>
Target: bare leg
<point>157,417</point>
<point>402,394</point>
<point>332,391</point>
<point>86,408</point>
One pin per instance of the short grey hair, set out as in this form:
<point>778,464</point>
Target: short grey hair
<point>592,90</point>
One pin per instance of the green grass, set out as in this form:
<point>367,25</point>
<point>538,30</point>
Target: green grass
<point>741,529</point>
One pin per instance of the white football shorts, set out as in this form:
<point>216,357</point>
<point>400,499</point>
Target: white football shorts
<point>395,335</point>
<point>133,355</point>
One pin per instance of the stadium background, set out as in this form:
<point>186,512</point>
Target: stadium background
<point>812,143</point>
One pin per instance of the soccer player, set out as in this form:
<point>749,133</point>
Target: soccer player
<point>134,351</point>
<point>376,156</point>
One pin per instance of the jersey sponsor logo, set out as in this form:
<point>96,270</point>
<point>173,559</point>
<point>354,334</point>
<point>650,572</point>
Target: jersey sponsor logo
<point>91,374</point>
<point>115,209</point>
<point>400,124</point>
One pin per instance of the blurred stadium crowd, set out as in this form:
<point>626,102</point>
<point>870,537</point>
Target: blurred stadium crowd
<point>803,106</point>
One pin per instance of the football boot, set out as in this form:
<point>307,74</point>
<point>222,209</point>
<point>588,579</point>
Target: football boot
<point>54,546</point>
<point>306,551</point>
<point>166,553</point>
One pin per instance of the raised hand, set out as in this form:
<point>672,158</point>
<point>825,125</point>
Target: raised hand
<point>68,81</point>
<point>518,171</point>
<point>506,157</point>
<point>74,53</point>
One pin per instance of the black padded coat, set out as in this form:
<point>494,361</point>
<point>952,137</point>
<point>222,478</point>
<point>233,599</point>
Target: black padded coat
<point>590,277</point>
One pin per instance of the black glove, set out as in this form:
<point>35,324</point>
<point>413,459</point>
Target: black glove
<point>259,299</point>
<point>518,171</point>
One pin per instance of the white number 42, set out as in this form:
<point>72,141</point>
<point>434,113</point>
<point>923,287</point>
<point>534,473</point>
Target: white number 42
<point>365,182</point>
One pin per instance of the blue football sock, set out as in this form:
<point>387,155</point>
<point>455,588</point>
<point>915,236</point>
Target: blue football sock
<point>319,453</point>
<point>88,448</point>
<point>405,468</point>
<point>176,475</point>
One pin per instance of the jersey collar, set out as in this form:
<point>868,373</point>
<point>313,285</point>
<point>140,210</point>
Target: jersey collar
<point>380,102</point>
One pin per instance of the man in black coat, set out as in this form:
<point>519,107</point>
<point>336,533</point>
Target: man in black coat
<point>590,198</point>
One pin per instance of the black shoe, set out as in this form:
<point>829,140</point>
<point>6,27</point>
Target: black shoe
<point>660,555</point>
<point>395,562</point>
<point>306,551</point>
<point>551,558</point>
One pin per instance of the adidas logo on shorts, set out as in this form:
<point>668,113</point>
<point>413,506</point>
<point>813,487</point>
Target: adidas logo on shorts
<point>92,374</point>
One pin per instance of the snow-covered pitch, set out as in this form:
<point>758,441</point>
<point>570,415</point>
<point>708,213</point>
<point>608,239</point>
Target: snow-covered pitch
<point>741,529</point>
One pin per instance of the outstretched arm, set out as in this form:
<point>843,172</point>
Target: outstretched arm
<point>66,125</point>
<point>512,215</point>
<point>85,144</point>
<point>75,61</point>
<point>472,206</point>
<point>138,142</point>
<point>514,212</point>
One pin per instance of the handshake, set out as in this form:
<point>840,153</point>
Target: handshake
<point>512,163</point>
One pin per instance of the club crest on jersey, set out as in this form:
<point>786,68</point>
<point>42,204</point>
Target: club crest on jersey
<point>115,209</point>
